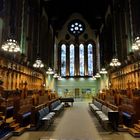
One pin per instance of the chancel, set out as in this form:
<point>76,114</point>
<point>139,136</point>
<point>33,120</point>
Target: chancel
<point>69,70</point>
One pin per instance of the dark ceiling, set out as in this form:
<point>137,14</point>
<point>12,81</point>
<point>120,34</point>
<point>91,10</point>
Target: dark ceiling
<point>59,11</point>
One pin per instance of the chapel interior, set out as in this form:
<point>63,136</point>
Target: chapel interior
<point>69,70</point>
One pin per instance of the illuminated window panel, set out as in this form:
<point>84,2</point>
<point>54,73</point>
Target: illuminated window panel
<point>63,60</point>
<point>76,27</point>
<point>90,60</point>
<point>72,60</point>
<point>81,59</point>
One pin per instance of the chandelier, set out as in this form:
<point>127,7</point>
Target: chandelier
<point>135,47</point>
<point>115,62</point>
<point>136,44</point>
<point>59,78</point>
<point>38,63</point>
<point>55,75</point>
<point>103,71</point>
<point>97,75</point>
<point>11,45</point>
<point>94,78</point>
<point>49,71</point>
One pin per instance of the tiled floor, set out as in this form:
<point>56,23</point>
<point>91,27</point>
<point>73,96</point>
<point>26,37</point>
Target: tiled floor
<point>75,123</point>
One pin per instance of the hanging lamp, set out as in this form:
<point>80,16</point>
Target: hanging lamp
<point>93,77</point>
<point>38,62</point>
<point>103,71</point>
<point>97,75</point>
<point>10,45</point>
<point>115,62</point>
<point>49,71</point>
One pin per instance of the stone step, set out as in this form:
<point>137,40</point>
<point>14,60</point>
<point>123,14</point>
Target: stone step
<point>19,131</point>
<point>122,128</point>
<point>134,132</point>
<point>15,126</point>
<point>137,127</point>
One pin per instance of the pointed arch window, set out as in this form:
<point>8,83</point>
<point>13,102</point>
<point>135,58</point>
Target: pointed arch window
<point>63,60</point>
<point>72,59</point>
<point>90,59</point>
<point>81,59</point>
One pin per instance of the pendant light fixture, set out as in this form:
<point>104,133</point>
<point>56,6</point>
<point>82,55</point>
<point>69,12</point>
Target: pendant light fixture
<point>97,75</point>
<point>102,63</point>
<point>115,62</point>
<point>38,62</point>
<point>103,71</point>
<point>136,44</point>
<point>55,75</point>
<point>49,71</point>
<point>11,45</point>
<point>136,41</point>
<point>93,77</point>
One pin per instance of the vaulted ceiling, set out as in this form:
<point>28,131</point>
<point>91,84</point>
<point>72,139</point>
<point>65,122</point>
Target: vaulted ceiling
<point>59,11</point>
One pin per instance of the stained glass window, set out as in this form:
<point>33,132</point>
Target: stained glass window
<point>90,59</point>
<point>81,59</point>
<point>63,60</point>
<point>72,60</point>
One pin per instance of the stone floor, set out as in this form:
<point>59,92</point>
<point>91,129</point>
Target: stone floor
<point>74,123</point>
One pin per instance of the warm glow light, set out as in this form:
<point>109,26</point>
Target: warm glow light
<point>103,71</point>
<point>135,46</point>
<point>59,78</point>
<point>115,62</point>
<point>55,75</point>
<point>97,75</point>
<point>11,46</point>
<point>137,40</point>
<point>94,78</point>
<point>38,64</point>
<point>49,71</point>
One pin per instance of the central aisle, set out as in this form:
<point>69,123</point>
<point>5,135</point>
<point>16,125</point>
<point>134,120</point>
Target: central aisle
<point>75,123</point>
